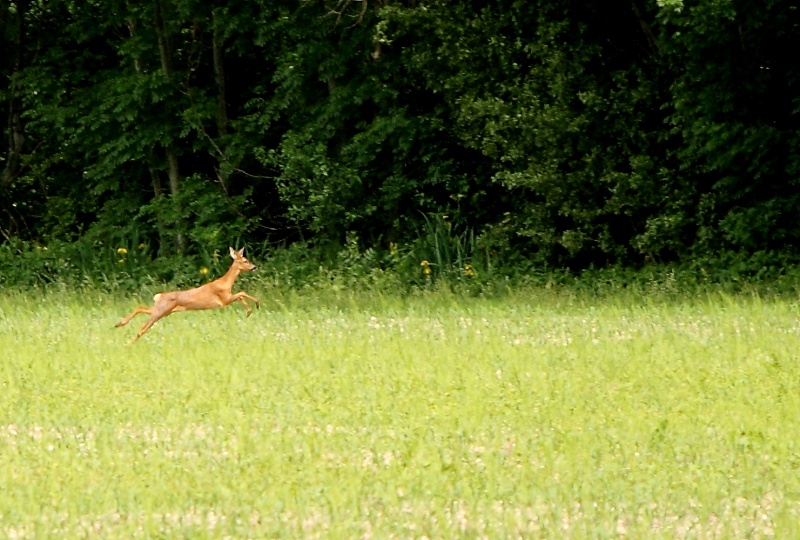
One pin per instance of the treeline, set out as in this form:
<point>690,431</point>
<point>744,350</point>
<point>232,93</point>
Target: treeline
<point>544,133</point>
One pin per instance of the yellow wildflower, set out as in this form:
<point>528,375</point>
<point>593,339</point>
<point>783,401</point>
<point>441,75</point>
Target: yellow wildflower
<point>122,251</point>
<point>427,271</point>
<point>424,264</point>
<point>204,271</point>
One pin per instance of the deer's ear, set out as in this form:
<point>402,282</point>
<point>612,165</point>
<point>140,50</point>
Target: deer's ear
<point>233,252</point>
<point>241,252</point>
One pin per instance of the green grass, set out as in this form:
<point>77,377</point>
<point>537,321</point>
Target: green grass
<point>542,415</point>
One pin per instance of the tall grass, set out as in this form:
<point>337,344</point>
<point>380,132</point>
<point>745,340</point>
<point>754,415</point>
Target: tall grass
<point>542,414</point>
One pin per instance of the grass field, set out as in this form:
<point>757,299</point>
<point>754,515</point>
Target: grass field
<point>542,415</point>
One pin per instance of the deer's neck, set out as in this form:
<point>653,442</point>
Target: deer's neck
<point>230,277</point>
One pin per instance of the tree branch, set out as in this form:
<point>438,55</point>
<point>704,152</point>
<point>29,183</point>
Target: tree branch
<point>648,32</point>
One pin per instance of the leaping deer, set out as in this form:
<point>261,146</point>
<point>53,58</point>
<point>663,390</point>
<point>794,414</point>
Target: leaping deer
<point>211,295</point>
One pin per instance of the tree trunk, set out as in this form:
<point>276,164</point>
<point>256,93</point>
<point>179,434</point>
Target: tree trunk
<point>155,178</point>
<point>219,76</point>
<point>173,172</point>
<point>164,45</point>
<point>222,105</point>
<point>16,131</point>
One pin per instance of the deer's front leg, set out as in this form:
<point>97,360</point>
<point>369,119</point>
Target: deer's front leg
<point>246,306</point>
<point>240,297</point>
<point>253,298</point>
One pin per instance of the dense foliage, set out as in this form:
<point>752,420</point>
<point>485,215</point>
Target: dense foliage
<point>530,134</point>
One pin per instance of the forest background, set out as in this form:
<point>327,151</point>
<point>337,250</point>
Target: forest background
<point>422,139</point>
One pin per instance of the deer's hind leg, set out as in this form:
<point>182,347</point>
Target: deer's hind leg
<point>160,309</point>
<point>137,311</point>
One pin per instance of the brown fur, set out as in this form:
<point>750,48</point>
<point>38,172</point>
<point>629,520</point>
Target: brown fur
<point>215,294</point>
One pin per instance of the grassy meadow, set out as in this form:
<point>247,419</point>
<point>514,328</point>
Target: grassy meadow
<point>545,414</point>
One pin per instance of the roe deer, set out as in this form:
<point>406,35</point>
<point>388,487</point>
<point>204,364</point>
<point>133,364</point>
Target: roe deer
<point>211,295</point>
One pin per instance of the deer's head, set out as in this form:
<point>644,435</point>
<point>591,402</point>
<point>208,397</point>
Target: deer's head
<point>240,261</point>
